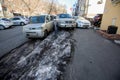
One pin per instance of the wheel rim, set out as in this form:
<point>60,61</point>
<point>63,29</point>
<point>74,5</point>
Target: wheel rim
<point>22,24</point>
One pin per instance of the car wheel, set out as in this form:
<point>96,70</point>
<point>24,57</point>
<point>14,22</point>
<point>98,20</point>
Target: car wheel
<point>73,28</point>
<point>2,27</point>
<point>76,24</point>
<point>22,23</point>
<point>45,33</point>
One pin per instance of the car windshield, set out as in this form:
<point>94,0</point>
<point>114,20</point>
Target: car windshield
<point>64,16</point>
<point>37,19</point>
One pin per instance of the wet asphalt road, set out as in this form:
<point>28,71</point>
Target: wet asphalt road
<point>95,58</point>
<point>10,39</point>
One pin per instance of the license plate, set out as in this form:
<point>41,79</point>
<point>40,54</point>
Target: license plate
<point>68,25</point>
<point>31,34</point>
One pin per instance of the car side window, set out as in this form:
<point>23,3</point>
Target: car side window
<point>16,19</point>
<point>47,19</point>
<point>51,18</point>
<point>5,19</point>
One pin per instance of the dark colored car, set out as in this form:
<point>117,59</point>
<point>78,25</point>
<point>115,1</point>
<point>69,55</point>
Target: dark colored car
<point>97,20</point>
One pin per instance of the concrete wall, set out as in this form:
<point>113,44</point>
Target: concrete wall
<point>111,16</point>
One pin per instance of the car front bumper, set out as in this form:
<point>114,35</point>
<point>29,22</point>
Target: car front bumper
<point>34,33</point>
<point>83,25</point>
<point>67,25</point>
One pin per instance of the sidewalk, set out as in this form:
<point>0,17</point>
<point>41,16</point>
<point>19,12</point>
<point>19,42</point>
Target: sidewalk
<point>95,58</point>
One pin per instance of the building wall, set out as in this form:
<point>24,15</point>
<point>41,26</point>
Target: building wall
<point>95,8</point>
<point>111,16</point>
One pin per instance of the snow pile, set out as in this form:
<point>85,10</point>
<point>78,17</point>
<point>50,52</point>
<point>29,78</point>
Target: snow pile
<point>47,59</point>
<point>54,54</point>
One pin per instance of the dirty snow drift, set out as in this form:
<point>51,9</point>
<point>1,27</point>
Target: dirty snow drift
<point>44,62</point>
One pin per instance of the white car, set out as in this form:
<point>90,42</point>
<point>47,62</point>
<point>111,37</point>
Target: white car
<point>65,21</point>
<point>83,23</point>
<point>19,21</point>
<point>5,23</point>
<point>39,26</point>
<point>75,17</point>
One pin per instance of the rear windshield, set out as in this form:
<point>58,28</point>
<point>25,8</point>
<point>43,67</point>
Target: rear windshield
<point>64,16</point>
<point>5,19</point>
<point>37,19</point>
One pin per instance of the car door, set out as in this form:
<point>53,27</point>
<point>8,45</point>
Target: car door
<point>16,21</point>
<point>52,21</point>
<point>48,23</point>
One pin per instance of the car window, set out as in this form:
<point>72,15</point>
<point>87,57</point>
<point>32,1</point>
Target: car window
<point>65,16</point>
<point>48,18</point>
<point>52,18</point>
<point>37,19</point>
<point>16,19</point>
<point>5,19</point>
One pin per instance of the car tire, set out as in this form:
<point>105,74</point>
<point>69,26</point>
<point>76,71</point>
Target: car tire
<point>2,27</point>
<point>73,28</point>
<point>45,33</point>
<point>22,23</point>
<point>76,25</point>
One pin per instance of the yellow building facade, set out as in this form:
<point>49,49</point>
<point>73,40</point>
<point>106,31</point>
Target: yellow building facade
<point>111,15</point>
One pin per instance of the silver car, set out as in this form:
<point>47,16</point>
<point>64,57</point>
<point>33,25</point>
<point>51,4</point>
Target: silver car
<point>19,21</point>
<point>65,21</point>
<point>39,26</point>
<point>5,23</point>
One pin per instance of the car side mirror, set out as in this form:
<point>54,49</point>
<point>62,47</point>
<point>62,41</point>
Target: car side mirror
<point>47,21</point>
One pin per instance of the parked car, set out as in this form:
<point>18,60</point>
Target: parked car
<point>19,21</point>
<point>27,19</point>
<point>75,17</point>
<point>83,23</point>
<point>39,26</point>
<point>5,23</point>
<point>97,20</point>
<point>65,21</point>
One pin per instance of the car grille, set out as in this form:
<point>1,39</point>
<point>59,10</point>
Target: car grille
<point>30,32</point>
<point>68,21</point>
<point>32,28</point>
<point>85,26</point>
<point>86,23</point>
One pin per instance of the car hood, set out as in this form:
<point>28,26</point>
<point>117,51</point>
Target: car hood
<point>85,21</point>
<point>35,25</point>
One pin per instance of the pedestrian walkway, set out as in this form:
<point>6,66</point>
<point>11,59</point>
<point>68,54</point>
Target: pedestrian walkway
<point>95,58</point>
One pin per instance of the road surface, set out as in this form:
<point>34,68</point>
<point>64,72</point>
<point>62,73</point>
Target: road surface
<point>10,39</point>
<point>95,58</point>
